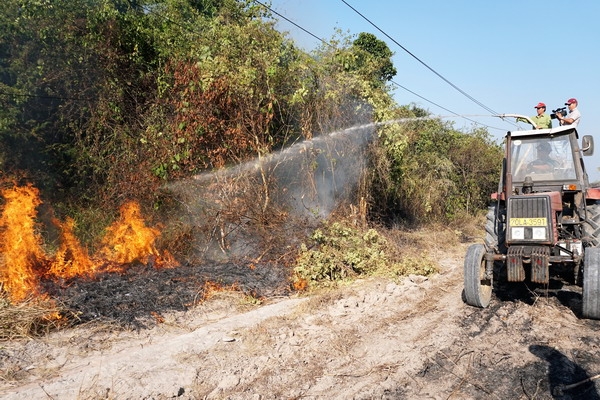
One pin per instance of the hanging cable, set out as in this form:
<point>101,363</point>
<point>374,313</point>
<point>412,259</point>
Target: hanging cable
<point>450,111</point>
<point>395,83</point>
<point>423,63</point>
<point>293,23</point>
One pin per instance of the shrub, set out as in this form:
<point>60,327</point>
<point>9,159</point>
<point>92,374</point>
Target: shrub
<point>339,251</point>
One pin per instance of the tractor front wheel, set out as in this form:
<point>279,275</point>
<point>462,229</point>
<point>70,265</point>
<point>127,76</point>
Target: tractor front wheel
<point>477,288</point>
<point>591,283</point>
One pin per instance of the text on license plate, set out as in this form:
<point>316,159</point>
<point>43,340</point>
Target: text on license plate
<point>528,221</point>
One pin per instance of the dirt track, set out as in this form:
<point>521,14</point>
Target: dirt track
<point>372,340</point>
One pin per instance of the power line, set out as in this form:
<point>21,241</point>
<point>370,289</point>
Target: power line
<point>293,23</point>
<point>450,111</point>
<point>422,62</point>
<point>395,83</point>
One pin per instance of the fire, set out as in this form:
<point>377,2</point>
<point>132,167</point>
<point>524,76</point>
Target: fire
<point>129,239</point>
<point>71,259</point>
<point>20,244</point>
<point>300,284</point>
<point>23,260</point>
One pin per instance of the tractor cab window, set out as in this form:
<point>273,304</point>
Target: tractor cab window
<point>543,159</point>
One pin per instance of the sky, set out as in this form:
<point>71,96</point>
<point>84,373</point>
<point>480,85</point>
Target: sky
<point>507,55</point>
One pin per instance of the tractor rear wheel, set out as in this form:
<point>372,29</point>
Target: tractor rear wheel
<point>494,229</point>
<point>591,225</point>
<point>591,283</point>
<point>477,288</point>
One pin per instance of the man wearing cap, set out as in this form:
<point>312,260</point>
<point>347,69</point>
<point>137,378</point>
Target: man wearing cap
<point>574,115</point>
<point>541,120</point>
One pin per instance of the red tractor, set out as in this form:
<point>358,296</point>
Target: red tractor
<point>544,216</point>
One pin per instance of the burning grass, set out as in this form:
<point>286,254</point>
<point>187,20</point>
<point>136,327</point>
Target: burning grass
<point>24,262</point>
<point>29,275</point>
<point>127,281</point>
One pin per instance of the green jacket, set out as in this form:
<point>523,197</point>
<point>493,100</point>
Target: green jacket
<point>541,121</point>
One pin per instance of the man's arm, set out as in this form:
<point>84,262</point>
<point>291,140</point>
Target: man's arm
<point>565,121</point>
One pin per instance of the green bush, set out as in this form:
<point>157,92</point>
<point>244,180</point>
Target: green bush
<point>339,251</point>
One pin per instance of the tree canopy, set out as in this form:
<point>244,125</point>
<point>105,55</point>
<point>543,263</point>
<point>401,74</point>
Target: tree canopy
<point>107,99</point>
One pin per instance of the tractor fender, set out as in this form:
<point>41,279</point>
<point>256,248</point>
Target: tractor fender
<point>592,194</point>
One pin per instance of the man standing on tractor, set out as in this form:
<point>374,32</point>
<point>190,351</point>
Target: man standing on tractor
<point>574,115</point>
<point>541,120</point>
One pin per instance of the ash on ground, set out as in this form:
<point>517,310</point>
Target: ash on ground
<point>135,298</point>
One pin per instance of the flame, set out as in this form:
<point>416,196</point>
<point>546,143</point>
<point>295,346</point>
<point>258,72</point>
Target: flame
<point>129,239</point>
<point>166,260</point>
<point>210,289</point>
<point>71,259</point>
<point>20,244</point>
<point>300,284</point>
<point>23,260</point>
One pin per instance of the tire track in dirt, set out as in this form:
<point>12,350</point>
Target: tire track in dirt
<point>151,369</point>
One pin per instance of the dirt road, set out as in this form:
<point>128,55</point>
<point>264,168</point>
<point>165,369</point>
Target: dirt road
<point>374,339</point>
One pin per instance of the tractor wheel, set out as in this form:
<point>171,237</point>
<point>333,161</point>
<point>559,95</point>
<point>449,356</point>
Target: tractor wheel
<point>494,229</point>
<point>477,289</point>
<point>591,283</point>
<point>591,225</point>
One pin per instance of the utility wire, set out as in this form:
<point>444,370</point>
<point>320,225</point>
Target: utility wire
<point>422,62</point>
<point>293,23</point>
<point>395,83</point>
<point>450,111</point>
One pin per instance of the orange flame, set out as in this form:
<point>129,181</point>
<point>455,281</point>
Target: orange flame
<point>71,259</point>
<point>300,284</point>
<point>20,244</point>
<point>129,239</point>
<point>23,261</point>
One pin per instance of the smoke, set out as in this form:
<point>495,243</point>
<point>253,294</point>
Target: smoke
<point>319,174</point>
<point>301,184</point>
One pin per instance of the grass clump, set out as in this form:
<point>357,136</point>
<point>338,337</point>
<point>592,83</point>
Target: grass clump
<point>32,317</point>
<point>339,251</point>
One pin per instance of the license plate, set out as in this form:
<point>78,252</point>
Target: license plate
<point>528,222</point>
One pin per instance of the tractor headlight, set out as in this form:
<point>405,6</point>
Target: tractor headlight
<point>518,233</point>
<point>539,233</point>
<point>529,233</point>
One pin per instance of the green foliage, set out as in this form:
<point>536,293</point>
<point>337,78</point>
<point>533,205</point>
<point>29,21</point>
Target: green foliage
<point>339,251</point>
<point>374,57</point>
<point>425,171</point>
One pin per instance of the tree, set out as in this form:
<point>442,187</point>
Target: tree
<point>374,57</point>
<point>426,171</point>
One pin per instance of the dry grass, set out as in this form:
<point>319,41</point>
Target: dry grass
<point>33,317</point>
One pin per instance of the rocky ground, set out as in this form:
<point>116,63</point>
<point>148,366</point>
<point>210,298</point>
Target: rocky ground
<point>373,339</point>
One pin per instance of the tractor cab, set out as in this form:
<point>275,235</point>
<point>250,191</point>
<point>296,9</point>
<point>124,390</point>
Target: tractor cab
<point>546,160</point>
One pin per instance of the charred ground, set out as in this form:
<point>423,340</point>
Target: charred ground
<point>138,297</point>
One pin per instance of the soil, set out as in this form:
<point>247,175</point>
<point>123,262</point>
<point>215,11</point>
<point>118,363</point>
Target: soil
<point>372,339</point>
